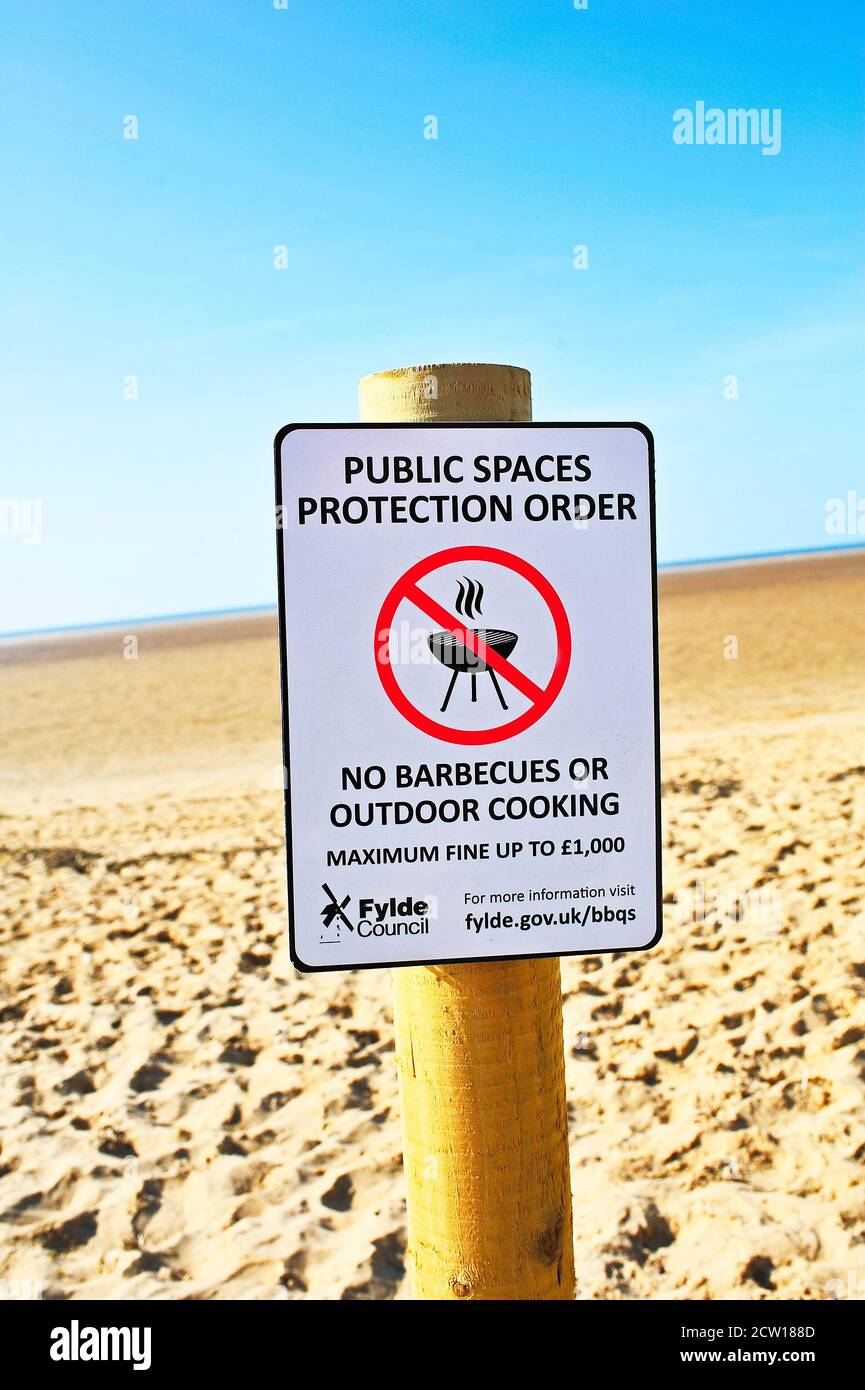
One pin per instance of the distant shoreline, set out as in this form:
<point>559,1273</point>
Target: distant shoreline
<point>128,624</point>
<point>258,621</point>
<point>760,557</point>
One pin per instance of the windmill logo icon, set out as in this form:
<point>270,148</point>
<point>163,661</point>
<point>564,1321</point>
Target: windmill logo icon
<point>333,914</point>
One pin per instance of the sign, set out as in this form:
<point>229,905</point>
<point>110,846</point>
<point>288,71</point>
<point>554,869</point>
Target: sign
<point>469,690</point>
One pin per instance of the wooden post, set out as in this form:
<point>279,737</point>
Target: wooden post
<point>479,1047</point>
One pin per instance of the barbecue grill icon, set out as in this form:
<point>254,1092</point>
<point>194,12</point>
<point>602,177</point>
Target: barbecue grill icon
<point>447,648</point>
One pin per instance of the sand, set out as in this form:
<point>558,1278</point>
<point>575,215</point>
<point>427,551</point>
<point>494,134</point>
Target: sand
<point>185,1116</point>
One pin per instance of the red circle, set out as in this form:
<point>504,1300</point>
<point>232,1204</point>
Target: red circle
<point>530,716</point>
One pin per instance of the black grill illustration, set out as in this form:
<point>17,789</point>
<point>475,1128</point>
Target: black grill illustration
<point>451,652</point>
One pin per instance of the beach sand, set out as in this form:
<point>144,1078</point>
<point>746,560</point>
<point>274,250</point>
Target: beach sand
<point>185,1116</point>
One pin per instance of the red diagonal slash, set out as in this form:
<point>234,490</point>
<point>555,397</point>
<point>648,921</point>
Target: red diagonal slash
<point>475,644</point>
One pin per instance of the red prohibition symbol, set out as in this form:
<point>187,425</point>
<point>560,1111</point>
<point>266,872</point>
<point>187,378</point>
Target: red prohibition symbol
<point>407,587</point>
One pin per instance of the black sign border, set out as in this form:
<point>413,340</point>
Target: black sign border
<point>283,681</point>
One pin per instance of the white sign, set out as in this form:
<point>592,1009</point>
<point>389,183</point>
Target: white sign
<point>469,680</point>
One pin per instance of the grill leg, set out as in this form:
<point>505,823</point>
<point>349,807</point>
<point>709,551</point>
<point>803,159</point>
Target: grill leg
<point>496,686</point>
<point>454,675</point>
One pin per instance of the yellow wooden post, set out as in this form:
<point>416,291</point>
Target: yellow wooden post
<point>479,1047</point>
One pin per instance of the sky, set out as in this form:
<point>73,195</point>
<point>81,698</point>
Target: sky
<point>304,127</point>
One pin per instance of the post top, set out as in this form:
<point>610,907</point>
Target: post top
<point>447,391</point>
<point>491,367</point>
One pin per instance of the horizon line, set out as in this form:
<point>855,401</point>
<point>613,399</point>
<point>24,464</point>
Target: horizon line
<point>272,607</point>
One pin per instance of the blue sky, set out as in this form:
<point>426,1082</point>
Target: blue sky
<point>304,127</point>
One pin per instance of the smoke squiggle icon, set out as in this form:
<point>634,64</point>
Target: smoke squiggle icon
<point>469,599</point>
